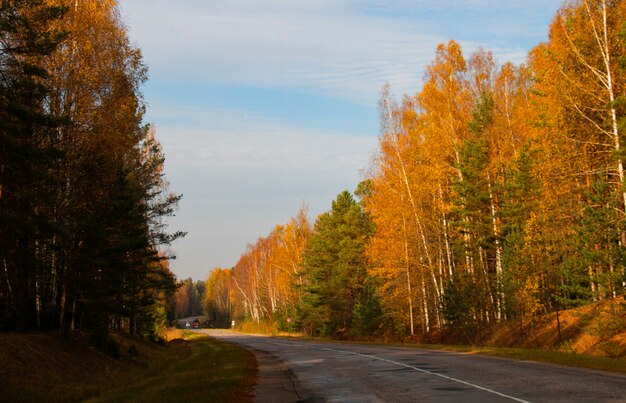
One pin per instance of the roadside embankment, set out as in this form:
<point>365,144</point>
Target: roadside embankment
<point>55,368</point>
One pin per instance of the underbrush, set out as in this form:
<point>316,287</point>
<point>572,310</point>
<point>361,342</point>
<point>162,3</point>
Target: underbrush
<point>259,328</point>
<point>264,327</point>
<point>597,329</point>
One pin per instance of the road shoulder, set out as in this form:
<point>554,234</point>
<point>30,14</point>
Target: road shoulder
<point>276,382</point>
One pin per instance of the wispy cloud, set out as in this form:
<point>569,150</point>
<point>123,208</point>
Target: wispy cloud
<point>342,48</point>
<point>240,139</point>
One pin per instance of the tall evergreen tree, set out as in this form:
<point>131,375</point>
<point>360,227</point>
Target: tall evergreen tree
<point>82,197</point>
<point>335,267</point>
<point>27,155</point>
<point>474,208</point>
<point>521,277</point>
<point>598,271</point>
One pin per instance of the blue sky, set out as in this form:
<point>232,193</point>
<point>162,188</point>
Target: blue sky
<point>263,105</point>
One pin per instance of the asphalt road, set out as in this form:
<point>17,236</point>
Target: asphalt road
<point>328,372</point>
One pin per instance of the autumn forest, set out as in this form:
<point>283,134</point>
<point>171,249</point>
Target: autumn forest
<point>496,193</point>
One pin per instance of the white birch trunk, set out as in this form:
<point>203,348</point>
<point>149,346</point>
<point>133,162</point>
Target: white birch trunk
<point>496,234</point>
<point>422,235</point>
<point>408,275</point>
<point>425,306</point>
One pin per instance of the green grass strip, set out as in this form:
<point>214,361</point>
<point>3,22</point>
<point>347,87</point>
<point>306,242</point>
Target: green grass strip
<point>197,369</point>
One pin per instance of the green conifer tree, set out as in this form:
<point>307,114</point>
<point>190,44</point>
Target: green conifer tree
<point>335,268</point>
<point>475,243</point>
<point>27,156</point>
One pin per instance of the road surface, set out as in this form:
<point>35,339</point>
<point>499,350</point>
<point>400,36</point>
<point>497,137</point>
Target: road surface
<point>329,372</point>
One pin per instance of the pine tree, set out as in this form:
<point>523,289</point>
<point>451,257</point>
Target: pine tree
<point>477,243</point>
<point>27,156</point>
<point>522,275</point>
<point>82,197</point>
<point>335,268</point>
<point>598,272</point>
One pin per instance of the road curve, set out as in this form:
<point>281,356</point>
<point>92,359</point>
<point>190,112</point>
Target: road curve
<point>328,372</point>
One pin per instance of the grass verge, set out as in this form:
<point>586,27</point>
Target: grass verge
<point>51,367</point>
<point>547,356</point>
<point>196,368</point>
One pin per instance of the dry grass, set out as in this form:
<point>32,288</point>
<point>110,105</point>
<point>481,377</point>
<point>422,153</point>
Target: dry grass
<point>259,328</point>
<point>172,333</point>
<point>596,329</point>
<point>52,368</point>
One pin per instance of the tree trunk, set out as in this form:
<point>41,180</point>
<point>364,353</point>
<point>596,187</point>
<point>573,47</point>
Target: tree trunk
<point>408,275</point>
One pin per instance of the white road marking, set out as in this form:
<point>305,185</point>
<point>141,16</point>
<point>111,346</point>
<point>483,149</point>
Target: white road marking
<point>431,373</point>
<point>414,368</point>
